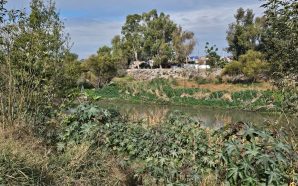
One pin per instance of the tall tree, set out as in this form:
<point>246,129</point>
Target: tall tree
<point>133,38</point>
<point>32,47</point>
<point>245,33</point>
<point>155,36</point>
<point>281,47</point>
<point>183,44</point>
<point>281,36</point>
<point>118,52</point>
<point>158,31</point>
<point>101,67</point>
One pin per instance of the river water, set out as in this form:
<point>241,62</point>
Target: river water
<point>209,117</point>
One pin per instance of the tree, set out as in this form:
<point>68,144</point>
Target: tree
<point>245,33</point>
<point>118,53</point>
<point>132,31</point>
<point>253,64</point>
<point>32,49</point>
<point>102,66</point>
<point>72,71</point>
<point>281,36</point>
<point>183,44</point>
<point>105,50</point>
<point>213,59</point>
<point>281,47</point>
<point>155,36</point>
<point>158,30</point>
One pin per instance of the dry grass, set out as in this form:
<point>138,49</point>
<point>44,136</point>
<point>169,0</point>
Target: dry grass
<point>21,139</point>
<point>23,158</point>
<point>224,87</point>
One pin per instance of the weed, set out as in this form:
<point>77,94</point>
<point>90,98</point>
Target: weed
<point>162,91</point>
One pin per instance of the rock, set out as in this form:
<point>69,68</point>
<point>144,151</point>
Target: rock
<point>178,73</point>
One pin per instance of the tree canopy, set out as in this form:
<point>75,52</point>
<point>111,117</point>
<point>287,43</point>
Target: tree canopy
<point>155,36</point>
<point>245,33</point>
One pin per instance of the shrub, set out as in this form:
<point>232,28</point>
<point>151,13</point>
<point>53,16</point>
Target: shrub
<point>252,156</point>
<point>179,151</point>
<point>233,68</point>
<point>253,63</point>
<point>250,64</point>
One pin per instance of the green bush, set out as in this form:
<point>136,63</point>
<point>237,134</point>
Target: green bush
<point>233,68</point>
<point>179,151</point>
<point>250,64</point>
<point>252,156</point>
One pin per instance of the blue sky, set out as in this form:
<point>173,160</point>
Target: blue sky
<point>93,23</point>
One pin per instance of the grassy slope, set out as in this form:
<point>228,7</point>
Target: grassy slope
<point>25,160</point>
<point>247,97</point>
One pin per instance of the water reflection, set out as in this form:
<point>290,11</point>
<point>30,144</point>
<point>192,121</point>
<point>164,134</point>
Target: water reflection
<point>210,117</point>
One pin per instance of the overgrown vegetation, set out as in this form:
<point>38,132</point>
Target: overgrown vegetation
<point>275,35</point>
<point>252,64</point>
<point>94,143</point>
<point>46,140</point>
<point>163,91</point>
<point>33,73</point>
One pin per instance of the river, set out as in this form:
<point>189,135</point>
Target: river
<point>209,117</point>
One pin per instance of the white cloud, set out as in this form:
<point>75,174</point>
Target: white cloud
<point>208,19</point>
<point>89,35</point>
<point>210,24</point>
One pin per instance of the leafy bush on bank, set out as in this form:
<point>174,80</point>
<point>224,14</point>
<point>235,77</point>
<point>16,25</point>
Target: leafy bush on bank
<point>179,151</point>
<point>98,146</point>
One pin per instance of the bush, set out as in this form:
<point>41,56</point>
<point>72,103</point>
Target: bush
<point>179,151</point>
<point>250,64</point>
<point>233,68</point>
<point>252,156</point>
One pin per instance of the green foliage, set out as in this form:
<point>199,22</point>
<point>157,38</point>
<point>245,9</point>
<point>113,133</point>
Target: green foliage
<point>245,33</point>
<point>83,125</point>
<point>245,95</point>
<point>252,156</point>
<point>183,44</point>
<point>153,36</point>
<point>280,41</point>
<point>32,48</point>
<point>118,53</point>
<point>159,152</point>
<point>103,66</point>
<point>72,71</point>
<point>280,37</point>
<point>162,91</point>
<point>250,64</point>
<point>213,57</point>
<point>179,151</point>
<point>233,68</point>
<point>253,63</point>
<point>216,95</point>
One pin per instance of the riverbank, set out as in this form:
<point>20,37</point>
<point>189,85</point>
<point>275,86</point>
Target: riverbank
<point>97,146</point>
<point>255,97</point>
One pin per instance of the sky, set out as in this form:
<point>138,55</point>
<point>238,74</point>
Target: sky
<point>93,23</point>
